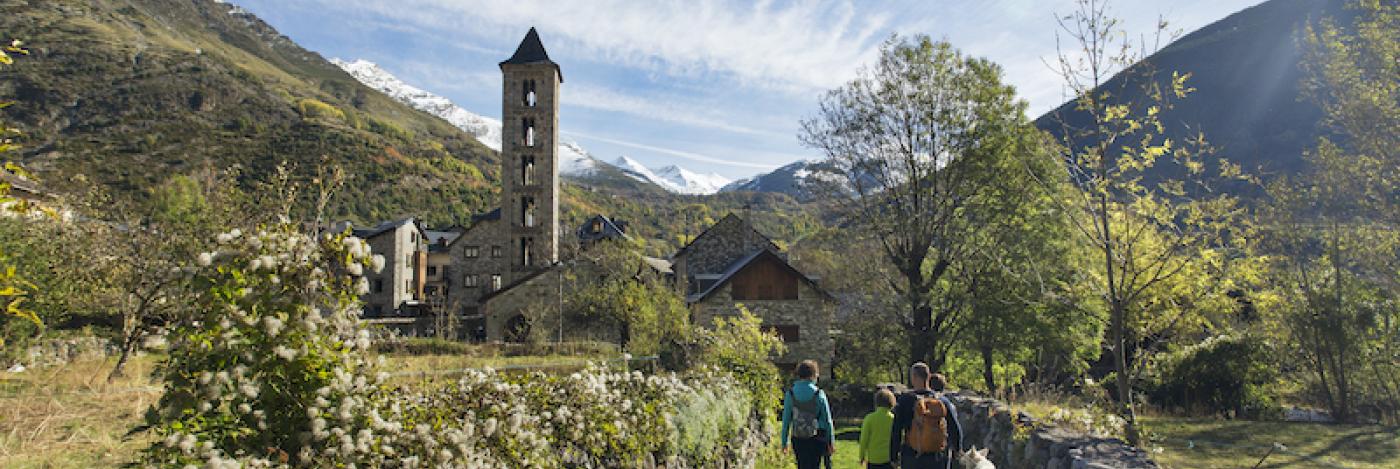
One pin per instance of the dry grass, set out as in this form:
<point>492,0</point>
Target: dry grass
<point>69,416</point>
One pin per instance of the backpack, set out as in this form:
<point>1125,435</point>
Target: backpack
<point>928,432</point>
<point>804,416</point>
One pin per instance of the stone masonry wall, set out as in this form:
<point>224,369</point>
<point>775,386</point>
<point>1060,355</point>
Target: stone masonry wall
<point>727,241</point>
<point>988,423</point>
<point>810,312</point>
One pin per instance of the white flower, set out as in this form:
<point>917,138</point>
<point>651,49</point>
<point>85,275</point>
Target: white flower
<point>272,325</point>
<point>206,258</point>
<point>355,269</point>
<point>362,285</point>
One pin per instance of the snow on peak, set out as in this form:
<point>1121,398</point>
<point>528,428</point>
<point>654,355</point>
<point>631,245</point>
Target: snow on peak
<point>691,182</point>
<point>672,178</point>
<point>485,129</point>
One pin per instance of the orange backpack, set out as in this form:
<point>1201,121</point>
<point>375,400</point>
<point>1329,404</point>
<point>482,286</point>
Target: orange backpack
<point>928,432</point>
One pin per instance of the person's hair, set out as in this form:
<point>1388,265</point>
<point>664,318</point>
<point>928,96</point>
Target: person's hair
<point>938,382</point>
<point>884,398</point>
<point>919,373</point>
<point>807,369</point>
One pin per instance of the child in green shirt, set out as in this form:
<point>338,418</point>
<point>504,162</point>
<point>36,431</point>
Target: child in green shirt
<point>875,432</point>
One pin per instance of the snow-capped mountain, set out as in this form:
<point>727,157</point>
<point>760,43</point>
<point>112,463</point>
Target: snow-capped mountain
<point>573,159</point>
<point>672,178</point>
<point>691,182</point>
<point>485,129</point>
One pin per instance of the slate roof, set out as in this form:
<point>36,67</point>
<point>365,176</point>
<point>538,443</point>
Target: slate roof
<point>447,236</point>
<point>521,281</point>
<point>610,229</point>
<point>531,51</point>
<point>383,227</point>
<point>726,218</point>
<point>739,265</point>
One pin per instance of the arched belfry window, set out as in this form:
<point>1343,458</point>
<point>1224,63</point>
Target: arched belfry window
<point>527,92</point>
<point>527,205</point>
<point>527,170</point>
<point>527,131</point>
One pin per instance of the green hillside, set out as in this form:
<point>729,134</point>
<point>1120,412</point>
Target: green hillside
<point>1247,76</point>
<point>129,92</point>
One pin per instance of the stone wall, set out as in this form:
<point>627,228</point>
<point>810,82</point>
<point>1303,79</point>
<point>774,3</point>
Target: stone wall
<point>482,239</point>
<point>48,352</point>
<point>811,313</point>
<point>988,423</point>
<point>729,240</point>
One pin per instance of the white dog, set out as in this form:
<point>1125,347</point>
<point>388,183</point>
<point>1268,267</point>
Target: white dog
<point>976,459</point>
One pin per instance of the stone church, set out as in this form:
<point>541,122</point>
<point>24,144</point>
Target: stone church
<point>488,274</point>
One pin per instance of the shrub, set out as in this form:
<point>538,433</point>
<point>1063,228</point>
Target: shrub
<point>1227,373</point>
<point>312,108</point>
<point>739,346</point>
<point>270,371</point>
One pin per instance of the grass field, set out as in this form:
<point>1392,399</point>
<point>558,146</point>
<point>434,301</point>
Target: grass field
<point>1196,443</point>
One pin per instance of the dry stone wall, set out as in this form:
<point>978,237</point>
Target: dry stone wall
<point>988,423</point>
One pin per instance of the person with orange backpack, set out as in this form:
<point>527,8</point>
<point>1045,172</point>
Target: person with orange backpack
<point>925,425</point>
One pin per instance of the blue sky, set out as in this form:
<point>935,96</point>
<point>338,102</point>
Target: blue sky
<point>712,86</point>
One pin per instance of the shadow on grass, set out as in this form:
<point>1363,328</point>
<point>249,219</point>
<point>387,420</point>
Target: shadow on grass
<point>1378,450</point>
<point>1345,443</point>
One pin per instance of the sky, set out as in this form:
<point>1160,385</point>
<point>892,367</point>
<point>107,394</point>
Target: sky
<point>712,86</point>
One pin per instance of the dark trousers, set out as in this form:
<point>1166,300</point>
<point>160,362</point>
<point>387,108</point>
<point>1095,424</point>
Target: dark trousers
<point>908,459</point>
<point>809,452</point>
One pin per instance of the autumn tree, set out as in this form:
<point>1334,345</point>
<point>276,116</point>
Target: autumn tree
<point>911,143</point>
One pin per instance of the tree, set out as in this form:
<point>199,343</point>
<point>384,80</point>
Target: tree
<point>911,143</point>
<point>1335,225</point>
<point>614,287</point>
<point>1150,231</point>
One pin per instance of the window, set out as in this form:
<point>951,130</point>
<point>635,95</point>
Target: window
<point>527,170</point>
<point>526,245</point>
<point>413,237</point>
<point>597,226</point>
<point>379,285</point>
<point>527,92</point>
<point>407,286</point>
<point>470,281</point>
<point>471,251</point>
<point>408,259</point>
<point>432,270</point>
<point>527,205</point>
<point>788,333</point>
<point>495,282</point>
<point>495,251</point>
<point>527,131</point>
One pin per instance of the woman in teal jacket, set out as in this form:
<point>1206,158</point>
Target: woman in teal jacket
<point>807,419</point>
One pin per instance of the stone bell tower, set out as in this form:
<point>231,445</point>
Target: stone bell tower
<point>530,157</point>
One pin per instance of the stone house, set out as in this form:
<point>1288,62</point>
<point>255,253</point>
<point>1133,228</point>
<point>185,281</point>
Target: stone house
<point>731,264</point>
<point>397,289</point>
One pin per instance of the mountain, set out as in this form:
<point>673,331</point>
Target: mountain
<point>1245,69</point>
<point>575,163</point>
<point>795,179</point>
<point>129,92</point>
<point>689,182</point>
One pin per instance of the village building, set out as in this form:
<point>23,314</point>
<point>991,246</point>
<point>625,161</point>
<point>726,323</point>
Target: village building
<point>504,267</point>
<point>732,265</point>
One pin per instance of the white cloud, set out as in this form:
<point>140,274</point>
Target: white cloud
<point>795,46</point>
<point>664,108</point>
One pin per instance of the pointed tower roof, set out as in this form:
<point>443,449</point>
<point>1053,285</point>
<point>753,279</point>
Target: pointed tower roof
<point>531,51</point>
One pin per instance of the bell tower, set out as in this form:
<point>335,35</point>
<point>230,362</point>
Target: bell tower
<point>530,157</point>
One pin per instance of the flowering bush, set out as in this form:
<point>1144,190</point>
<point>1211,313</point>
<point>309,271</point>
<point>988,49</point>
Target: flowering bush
<point>271,372</point>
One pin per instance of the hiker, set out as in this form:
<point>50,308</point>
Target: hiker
<point>925,424</point>
<point>875,432</point>
<point>807,419</point>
